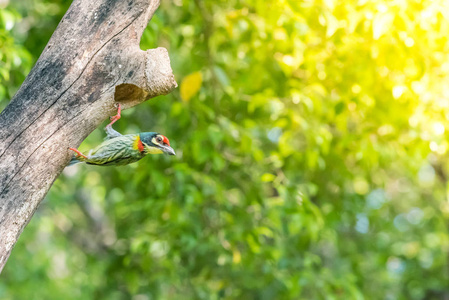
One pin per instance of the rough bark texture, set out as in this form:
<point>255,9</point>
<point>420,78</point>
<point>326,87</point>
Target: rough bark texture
<point>92,60</point>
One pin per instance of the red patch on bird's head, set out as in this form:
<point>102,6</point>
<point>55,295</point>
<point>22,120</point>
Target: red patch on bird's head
<point>165,140</point>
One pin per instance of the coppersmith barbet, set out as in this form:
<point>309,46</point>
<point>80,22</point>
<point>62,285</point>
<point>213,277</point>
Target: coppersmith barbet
<point>118,149</point>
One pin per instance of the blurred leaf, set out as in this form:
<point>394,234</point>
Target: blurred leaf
<point>267,177</point>
<point>190,85</point>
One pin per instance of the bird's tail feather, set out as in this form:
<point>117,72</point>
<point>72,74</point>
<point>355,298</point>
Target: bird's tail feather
<point>74,161</point>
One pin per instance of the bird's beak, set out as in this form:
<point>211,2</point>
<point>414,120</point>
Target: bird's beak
<point>169,150</point>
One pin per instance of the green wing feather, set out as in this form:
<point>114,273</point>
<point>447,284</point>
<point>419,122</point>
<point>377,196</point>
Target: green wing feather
<point>115,151</point>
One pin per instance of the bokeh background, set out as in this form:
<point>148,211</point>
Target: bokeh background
<point>312,159</point>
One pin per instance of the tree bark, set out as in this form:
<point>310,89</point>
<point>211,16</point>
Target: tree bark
<point>92,61</point>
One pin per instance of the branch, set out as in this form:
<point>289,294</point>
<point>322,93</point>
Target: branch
<point>92,60</point>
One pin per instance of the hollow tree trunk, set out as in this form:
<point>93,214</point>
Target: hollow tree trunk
<point>92,61</point>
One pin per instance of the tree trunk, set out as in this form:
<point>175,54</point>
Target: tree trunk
<point>92,61</point>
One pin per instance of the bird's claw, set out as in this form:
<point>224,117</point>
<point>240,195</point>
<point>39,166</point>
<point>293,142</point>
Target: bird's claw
<point>78,153</point>
<point>117,116</point>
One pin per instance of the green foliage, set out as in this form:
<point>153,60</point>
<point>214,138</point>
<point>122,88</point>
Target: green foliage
<point>311,160</point>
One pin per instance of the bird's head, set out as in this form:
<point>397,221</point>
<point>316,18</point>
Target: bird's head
<point>155,143</point>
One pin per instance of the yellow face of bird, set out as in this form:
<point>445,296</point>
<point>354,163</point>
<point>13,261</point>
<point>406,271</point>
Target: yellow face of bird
<point>153,150</point>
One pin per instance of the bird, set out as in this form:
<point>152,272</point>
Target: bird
<point>118,149</point>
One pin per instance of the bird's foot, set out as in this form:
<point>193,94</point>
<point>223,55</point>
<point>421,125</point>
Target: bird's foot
<point>78,153</point>
<point>117,116</point>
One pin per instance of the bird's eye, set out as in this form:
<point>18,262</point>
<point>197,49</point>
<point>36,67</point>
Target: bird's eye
<point>158,139</point>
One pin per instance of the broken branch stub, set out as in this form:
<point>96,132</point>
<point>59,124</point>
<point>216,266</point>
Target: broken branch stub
<point>92,60</point>
<point>150,77</point>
